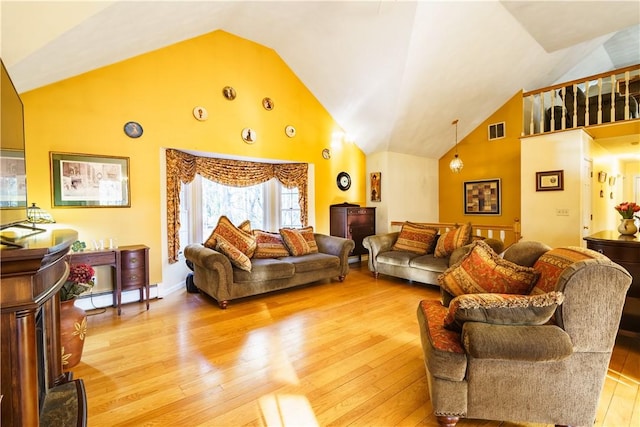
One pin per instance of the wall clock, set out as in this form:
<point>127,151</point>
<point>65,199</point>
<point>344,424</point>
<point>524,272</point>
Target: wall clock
<point>344,181</point>
<point>133,129</point>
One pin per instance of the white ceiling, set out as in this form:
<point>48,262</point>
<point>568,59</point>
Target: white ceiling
<point>394,74</point>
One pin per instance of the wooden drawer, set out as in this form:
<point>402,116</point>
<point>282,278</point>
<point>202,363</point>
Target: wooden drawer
<point>615,253</point>
<point>133,278</point>
<point>132,259</point>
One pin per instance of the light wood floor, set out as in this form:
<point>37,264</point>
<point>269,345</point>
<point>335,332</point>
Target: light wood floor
<point>331,354</point>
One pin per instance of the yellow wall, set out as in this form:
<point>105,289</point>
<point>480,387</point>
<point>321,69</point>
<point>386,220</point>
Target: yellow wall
<point>159,89</point>
<point>484,159</point>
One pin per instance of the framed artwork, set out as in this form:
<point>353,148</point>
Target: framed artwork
<point>482,197</point>
<point>602,176</point>
<point>13,179</point>
<point>376,178</point>
<point>550,181</point>
<point>86,180</point>
<point>612,180</point>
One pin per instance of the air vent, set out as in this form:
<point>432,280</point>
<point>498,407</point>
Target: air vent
<point>496,131</point>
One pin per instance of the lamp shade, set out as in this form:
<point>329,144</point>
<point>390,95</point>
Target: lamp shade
<point>35,215</point>
<point>456,164</point>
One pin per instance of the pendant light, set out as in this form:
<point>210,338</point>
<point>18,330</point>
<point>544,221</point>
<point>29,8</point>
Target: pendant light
<point>456,164</point>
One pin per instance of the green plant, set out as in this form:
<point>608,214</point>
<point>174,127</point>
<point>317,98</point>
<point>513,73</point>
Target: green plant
<point>79,281</point>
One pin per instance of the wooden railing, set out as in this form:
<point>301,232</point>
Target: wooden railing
<point>603,98</point>
<point>509,234</point>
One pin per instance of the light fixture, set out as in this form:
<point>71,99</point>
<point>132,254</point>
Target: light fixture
<point>35,215</point>
<point>456,164</point>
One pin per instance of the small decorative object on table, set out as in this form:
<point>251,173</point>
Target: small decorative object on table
<point>627,225</point>
<point>78,246</point>
<point>73,320</point>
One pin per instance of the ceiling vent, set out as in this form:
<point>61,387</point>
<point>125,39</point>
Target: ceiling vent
<point>496,131</point>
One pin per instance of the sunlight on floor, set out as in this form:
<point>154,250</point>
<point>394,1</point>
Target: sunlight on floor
<point>286,410</point>
<point>634,382</point>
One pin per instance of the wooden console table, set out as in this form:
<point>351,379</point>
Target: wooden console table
<point>130,267</point>
<point>625,251</point>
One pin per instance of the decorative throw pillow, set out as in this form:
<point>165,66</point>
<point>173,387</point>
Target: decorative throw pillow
<point>269,245</point>
<point>307,233</point>
<point>226,232</point>
<point>295,241</point>
<point>483,271</point>
<point>552,263</point>
<point>502,309</point>
<point>211,241</point>
<point>415,238</point>
<point>236,257</point>
<point>453,239</point>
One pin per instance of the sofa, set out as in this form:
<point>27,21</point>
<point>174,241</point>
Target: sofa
<point>215,275</point>
<point>494,352</point>
<point>395,254</point>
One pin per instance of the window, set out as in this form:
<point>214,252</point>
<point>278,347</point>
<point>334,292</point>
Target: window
<point>269,206</point>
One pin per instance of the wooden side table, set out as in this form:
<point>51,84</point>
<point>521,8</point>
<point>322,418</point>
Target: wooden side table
<point>134,272</point>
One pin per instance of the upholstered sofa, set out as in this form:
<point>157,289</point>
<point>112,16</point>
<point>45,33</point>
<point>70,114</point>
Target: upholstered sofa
<point>216,276</point>
<point>539,357</point>
<point>389,258</point>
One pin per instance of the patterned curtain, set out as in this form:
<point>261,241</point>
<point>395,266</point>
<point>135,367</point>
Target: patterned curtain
<point>183,167</point>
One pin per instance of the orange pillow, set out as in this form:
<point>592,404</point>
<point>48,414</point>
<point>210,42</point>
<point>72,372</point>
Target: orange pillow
<point>269,245</point>
<point>415,238</point>
<point>452,240</point>
<point>211,241</point>
<point>226,232</point>
<point>295,241</point>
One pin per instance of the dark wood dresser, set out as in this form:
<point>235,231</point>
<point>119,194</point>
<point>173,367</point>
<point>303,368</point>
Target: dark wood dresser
<point>352,222</point>
<point>35,390</point>
<point>625,251</point>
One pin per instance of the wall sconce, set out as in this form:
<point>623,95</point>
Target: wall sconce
<point>456,164</point>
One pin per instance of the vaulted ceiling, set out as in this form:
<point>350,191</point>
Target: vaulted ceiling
<point>394,74</point>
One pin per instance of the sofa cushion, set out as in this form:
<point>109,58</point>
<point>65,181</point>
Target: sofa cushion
<point>415,238</point>
<point>235,255</point>
<point>453,239</point>
<point>269,245</point>
<point>502,309</point>
<point>429,262</point>
<point>552,263</point>
<point>483,271</point>
<point>307,233</point>
<point>299,241</point>
<point>313,262</point>
<point>264,269</point>
<point>234,236</point>
<point>211,241</point>
<point>398,258</point>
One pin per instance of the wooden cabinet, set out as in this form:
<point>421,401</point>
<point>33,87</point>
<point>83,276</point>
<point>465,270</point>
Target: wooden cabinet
<point>352,222</point>
<point>134,272</point>
<point>625,251</point>
<point>32,377</point>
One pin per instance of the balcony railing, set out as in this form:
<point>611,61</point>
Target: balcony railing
<point>600,99</point>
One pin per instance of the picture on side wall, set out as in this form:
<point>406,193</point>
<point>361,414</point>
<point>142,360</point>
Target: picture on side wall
<point>13,179</point>
<point>376,178</point>
<point>550,181</point>
<point>90,181</point>
<point>482,197</point>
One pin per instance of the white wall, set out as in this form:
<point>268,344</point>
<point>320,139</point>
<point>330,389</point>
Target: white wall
<point>409,188</point>
<point>554,217</point>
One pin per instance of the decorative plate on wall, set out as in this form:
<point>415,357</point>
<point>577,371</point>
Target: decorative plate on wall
<point>343,181</point>
<point>229,93</point>
<point>290,131</point>
<point>133,129</point>
<point>200,113</point>
<point>326,154</point>
<point>267,103</point>
<point>249,135</point>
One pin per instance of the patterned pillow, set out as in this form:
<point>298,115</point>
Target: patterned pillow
<point>269,245</point>
<point>236,257</point>
<point>211,241</point>
<point>307,233</point>
<point>228,233</point>
<point>415,238</point>
<point>552,263</point>
<point>502,309</point>
<point>453,239</point>
<point>483,271</point>
<point>295,241</point>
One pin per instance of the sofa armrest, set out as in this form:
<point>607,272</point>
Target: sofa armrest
<point>337,246</point>
<point>376,244</point>
<point>516,342</point>
<point>213,272</point>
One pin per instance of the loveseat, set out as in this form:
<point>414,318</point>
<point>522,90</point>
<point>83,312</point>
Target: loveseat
<point>215,275</point>
<point>420,253</point>
<point>495,350</point>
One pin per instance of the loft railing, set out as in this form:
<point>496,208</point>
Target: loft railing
<point>600,99</point>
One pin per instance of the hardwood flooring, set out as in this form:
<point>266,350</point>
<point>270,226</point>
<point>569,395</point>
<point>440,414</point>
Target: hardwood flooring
<point>330,354</point>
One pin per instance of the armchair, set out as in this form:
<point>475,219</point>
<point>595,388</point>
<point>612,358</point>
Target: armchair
<point>549,373</point>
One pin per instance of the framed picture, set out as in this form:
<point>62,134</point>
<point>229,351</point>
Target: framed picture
<point>13,179</point>
<point>482,197</point>
<point>612,180</point>
<point>602,177</point>
<point>90,181</point>
<point>550,181</point>
<point>376,186</point>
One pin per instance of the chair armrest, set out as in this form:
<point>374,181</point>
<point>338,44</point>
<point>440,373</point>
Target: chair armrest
<point>378,243</point>
<point>511,342</point>
<point>337,246</point>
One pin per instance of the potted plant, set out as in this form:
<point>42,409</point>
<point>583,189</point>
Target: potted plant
<point>73,320</point>
<point>627,225</point>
